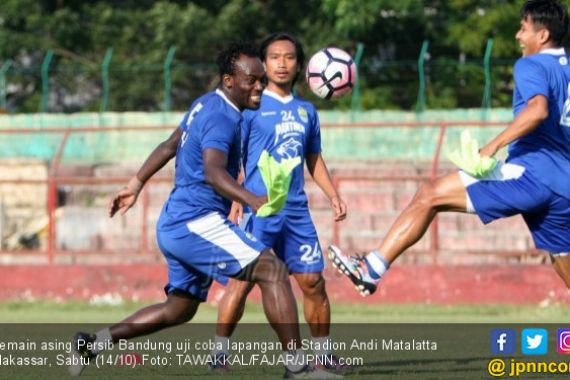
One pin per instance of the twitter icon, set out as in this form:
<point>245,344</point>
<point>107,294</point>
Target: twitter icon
<point>534,341</point>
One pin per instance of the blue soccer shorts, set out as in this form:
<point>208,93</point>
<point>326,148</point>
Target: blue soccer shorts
<point>510,190</point>
<point>292,236</point>
<point>206,248</point>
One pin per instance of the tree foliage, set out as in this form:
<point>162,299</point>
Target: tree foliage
<point>140,32</point>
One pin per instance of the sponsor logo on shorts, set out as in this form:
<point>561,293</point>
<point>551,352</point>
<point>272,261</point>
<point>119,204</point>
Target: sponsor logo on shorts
<point>250,236</point>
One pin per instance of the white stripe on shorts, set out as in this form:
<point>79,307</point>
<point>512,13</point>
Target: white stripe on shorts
<point>212,228</point>
<point>502,172</point>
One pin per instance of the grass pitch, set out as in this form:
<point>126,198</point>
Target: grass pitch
<point>79,312</point>
<point>461,333</point>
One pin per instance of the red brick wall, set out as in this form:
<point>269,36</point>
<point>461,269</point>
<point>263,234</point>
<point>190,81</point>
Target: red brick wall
<point>505,284</point>
<point>373,206</point>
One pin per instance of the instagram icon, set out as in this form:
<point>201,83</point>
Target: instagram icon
<point>563,341</point>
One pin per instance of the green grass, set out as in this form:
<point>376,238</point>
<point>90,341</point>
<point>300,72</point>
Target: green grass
<point>461,332</point>
<point>78,312</point>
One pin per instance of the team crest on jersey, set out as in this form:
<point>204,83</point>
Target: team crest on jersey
<point>289,148</point>
<point>303,114</point>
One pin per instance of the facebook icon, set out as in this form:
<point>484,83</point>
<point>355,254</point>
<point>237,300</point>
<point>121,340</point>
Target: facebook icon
<point>503,341</point>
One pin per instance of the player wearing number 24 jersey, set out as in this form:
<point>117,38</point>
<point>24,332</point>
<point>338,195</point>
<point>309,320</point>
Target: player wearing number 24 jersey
<point>286,127</point>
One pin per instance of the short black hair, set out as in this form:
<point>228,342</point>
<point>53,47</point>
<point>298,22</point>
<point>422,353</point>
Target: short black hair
<point>227,58</point>
<point>549,13</point>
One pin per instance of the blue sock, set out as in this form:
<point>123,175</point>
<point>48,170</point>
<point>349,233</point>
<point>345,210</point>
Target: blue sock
<point>377,265</point>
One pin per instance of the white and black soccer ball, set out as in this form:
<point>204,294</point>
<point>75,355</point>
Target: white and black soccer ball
<point>331,72</point>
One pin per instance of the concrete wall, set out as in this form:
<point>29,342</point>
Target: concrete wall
<point>376,193</point>
<point>339,143</point>
<point>423,284</point>
<point>23,207</point>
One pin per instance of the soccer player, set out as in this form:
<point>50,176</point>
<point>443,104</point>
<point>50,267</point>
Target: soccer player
<point>535,179</point>
<point>285,126</point>
<point>197,241</point>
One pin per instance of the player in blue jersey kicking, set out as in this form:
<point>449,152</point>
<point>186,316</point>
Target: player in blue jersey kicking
<point>193,233</point>
<point>286,127</point>
<point>535,179</point>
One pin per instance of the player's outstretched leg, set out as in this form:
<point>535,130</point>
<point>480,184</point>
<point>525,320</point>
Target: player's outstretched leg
<point>230,311</point>
<point>317,312</point>
<point>355,268</point>
<point>178,308</point>
<point>447,193</point>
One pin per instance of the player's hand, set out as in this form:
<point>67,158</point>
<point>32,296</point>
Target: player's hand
<point>257,202</point>
<point>236,213</point>
<point>339,208</point>
<point>122,201</point>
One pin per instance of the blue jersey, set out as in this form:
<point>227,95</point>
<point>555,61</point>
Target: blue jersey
<point>545,152</point>
<point>285,127</point>
<point>212,122</point>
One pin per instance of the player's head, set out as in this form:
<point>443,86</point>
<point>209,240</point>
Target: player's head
<point>544,23</point>
<point>283,57</point>
<point>241,74</point>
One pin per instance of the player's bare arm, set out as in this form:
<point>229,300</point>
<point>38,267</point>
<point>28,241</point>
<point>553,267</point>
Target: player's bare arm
<point>217,176</point>
<point>318,170</point>
<point>125,198</point>
<point>236,211</point>
<point>527,121</point>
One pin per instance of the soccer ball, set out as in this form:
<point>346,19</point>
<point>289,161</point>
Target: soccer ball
<point>331,72</point>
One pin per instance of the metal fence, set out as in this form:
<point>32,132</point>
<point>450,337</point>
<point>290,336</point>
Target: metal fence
<point>74,203</point>
<point>62,85</point>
